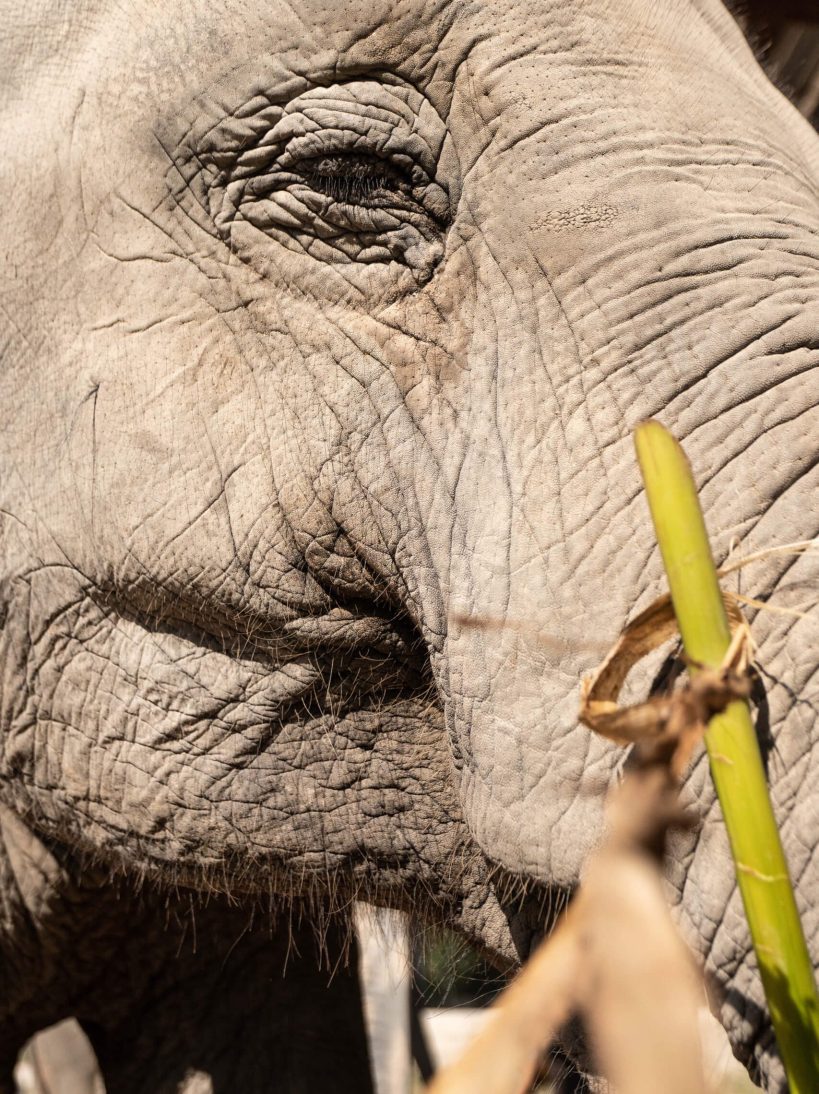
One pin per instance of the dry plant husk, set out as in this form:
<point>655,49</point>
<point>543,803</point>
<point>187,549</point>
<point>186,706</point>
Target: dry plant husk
<point>686,711</point>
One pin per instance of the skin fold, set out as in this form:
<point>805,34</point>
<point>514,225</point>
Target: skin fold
<point>323,331</point>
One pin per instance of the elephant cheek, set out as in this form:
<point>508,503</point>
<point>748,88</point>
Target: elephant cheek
<point>532,781</point>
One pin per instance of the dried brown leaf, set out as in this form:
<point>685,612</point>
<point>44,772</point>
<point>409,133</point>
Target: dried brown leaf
<point>704,696</point>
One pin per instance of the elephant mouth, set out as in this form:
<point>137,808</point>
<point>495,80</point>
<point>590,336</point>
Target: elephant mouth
<point>324,664</point>
<point>380,649</point>
<point>310,759</point>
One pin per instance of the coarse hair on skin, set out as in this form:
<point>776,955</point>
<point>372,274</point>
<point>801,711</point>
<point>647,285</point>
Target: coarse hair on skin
<point>324,893</point>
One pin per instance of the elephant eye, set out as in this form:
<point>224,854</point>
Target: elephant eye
<point>354,179</point>
<point>344,173</point>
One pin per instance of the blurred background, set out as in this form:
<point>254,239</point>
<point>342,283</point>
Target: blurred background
<point>785,35</point>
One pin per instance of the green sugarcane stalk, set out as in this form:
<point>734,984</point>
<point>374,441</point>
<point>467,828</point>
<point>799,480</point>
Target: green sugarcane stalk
<point>735,760</point>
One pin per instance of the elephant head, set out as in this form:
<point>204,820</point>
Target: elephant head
<point>324,331</point>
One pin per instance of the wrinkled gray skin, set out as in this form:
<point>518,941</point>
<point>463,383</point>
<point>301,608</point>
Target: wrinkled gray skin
<point>324,327</point>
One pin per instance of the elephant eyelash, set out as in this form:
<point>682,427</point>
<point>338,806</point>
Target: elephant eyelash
<point>353,179</point>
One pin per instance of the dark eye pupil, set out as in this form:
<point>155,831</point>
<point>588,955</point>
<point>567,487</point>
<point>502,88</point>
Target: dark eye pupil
<point>350,178</point>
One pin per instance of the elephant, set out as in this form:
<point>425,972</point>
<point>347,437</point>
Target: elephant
<point>324,331</point>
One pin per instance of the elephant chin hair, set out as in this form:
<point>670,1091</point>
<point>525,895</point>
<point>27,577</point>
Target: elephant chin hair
<point>326,893</point>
